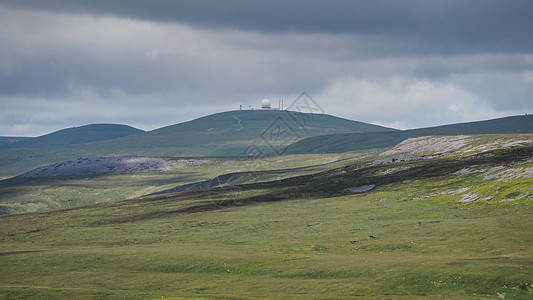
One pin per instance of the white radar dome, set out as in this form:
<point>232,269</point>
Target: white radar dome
<point>265,103</point>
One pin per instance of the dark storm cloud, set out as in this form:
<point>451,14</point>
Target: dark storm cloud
<point>51,55</point>
<point>153,63</point>
<point>437,26</point>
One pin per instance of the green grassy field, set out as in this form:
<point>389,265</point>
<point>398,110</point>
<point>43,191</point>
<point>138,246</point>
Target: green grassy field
<point>30,194</point>
<point>412,236</point>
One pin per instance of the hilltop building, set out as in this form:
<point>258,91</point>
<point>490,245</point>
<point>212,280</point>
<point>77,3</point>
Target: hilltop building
<point>266,105</point>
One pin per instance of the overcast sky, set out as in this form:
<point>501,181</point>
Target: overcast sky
<point>149,64</point>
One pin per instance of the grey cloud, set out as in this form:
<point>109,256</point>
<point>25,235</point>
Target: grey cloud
<point>154,63</point>
<point>405,102</point>
<point>104,55</point>
<point>504,91</point>
<point>444,27</point>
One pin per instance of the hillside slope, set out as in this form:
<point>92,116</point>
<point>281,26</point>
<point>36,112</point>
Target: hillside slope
<point>231,133</point>
<point>442,227</point>
<point>86,181</point>
<point>360,141</point>
<point>107,179</point>
<point>76,135</point>
<point>6,140</point>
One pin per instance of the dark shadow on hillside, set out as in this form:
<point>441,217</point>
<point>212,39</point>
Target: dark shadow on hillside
<point>323,185</point>
<point>20,252</point>
<point>77,180</point>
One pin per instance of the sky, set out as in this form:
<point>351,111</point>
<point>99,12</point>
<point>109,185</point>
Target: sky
<point>148,64</point>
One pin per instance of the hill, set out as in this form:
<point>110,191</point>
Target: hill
<point>447,226</point>
<point>231,133</point>
<point>6,140</point>
<point>108,179</point>
<point>76,135</point>
<point>339,143</point>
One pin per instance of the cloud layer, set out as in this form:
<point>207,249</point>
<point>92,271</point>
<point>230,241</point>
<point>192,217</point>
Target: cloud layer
<point>154,63</point>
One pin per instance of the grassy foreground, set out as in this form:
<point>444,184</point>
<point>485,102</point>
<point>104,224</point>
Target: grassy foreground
<point>299,238</point>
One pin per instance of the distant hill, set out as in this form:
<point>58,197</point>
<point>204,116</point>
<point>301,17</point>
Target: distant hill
<point>338,143</point>
<point>76,135</point>
<point>232,133</point>
<point>6,140</point>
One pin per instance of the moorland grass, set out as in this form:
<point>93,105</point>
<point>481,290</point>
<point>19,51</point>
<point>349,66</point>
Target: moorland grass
<point>407,238</point>
<point>30,194</point>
